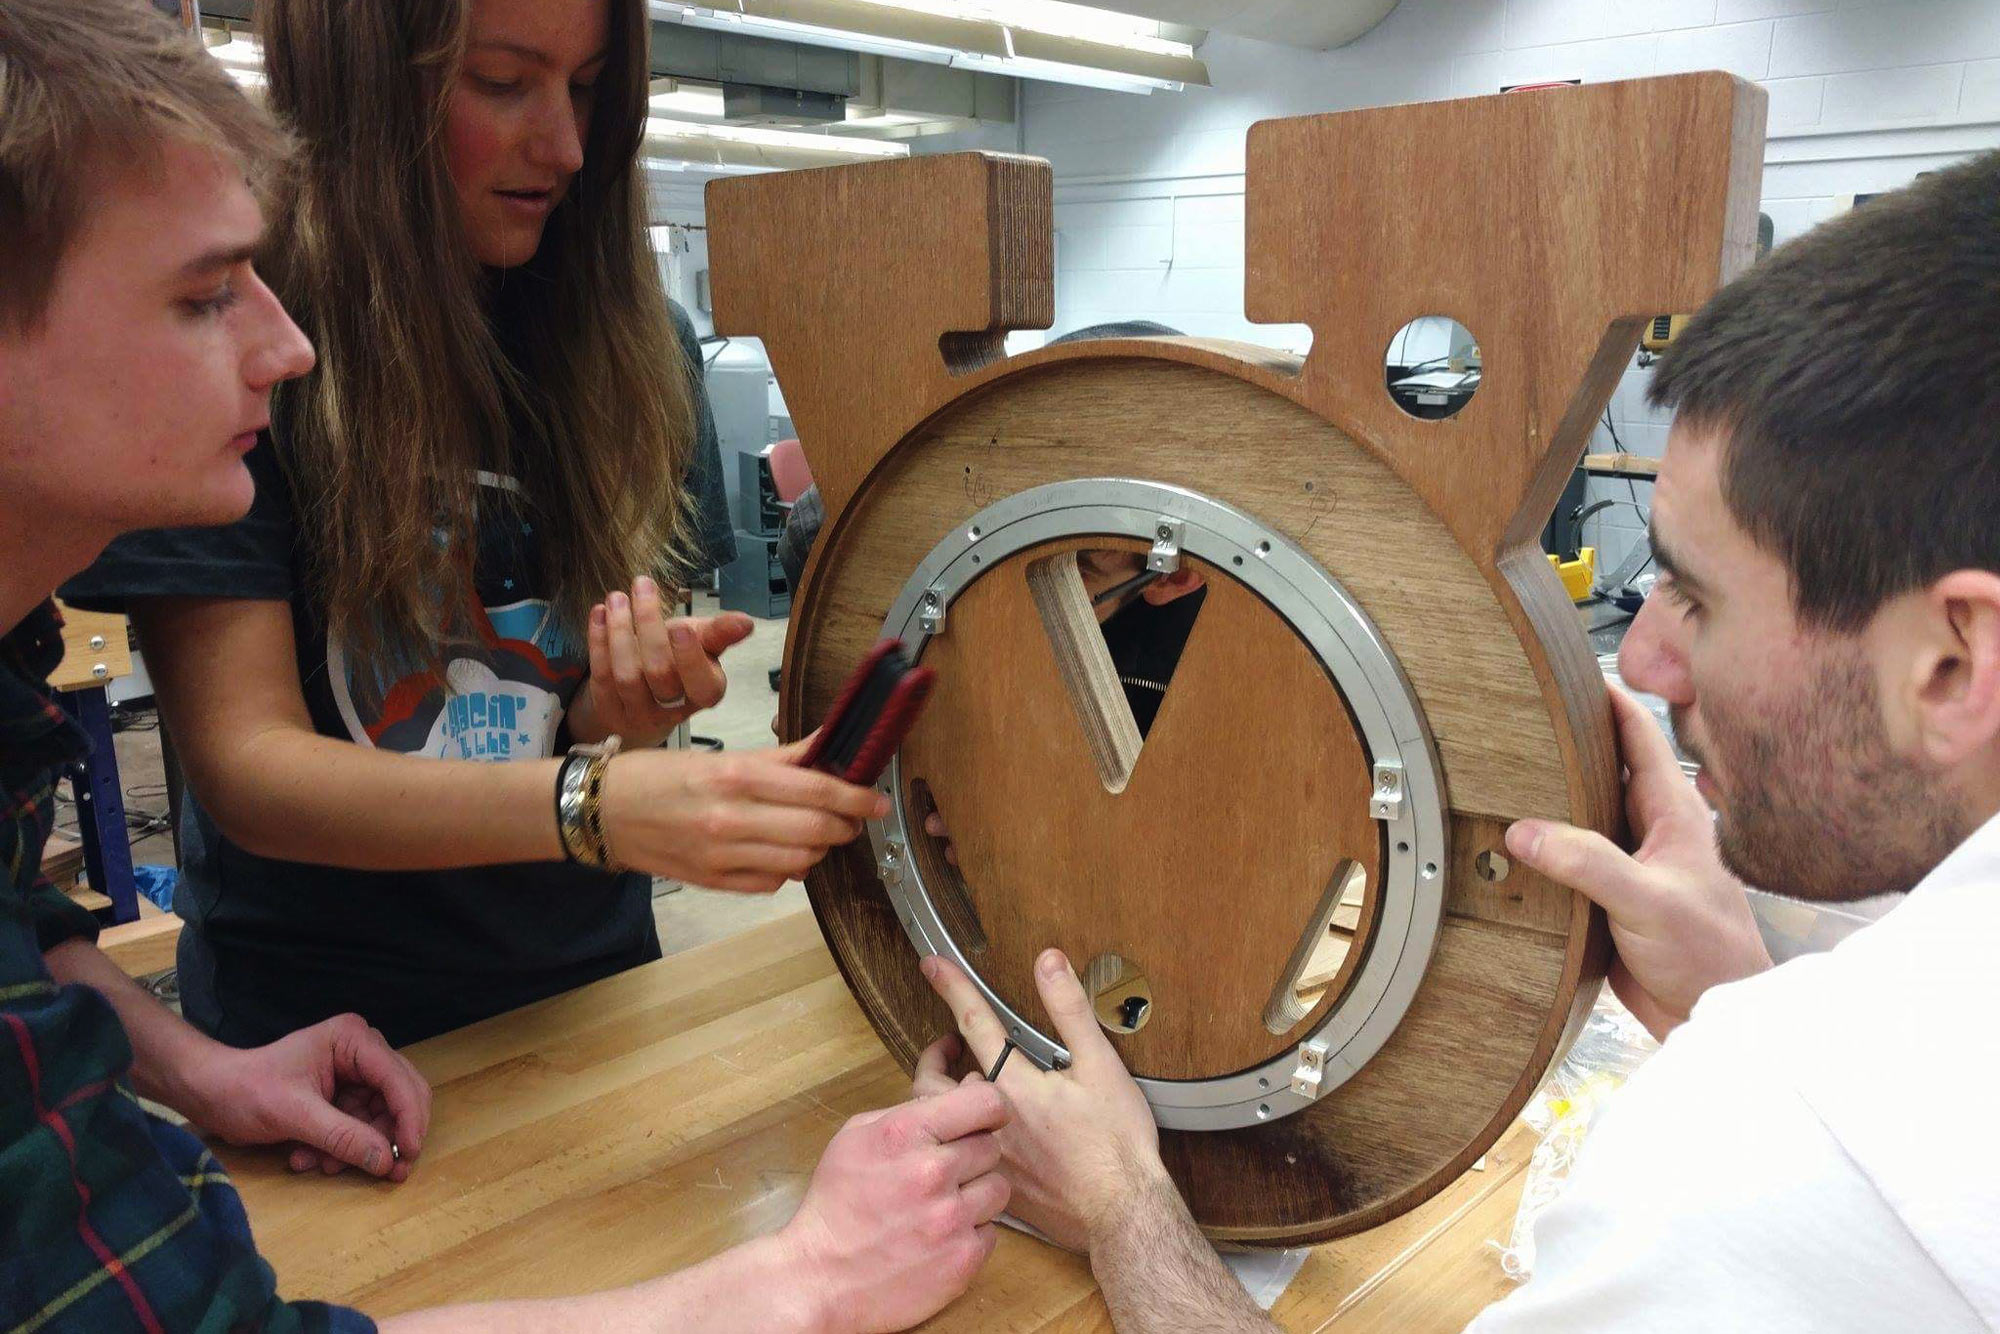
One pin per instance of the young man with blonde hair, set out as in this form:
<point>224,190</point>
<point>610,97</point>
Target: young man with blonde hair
<point>138,352</point>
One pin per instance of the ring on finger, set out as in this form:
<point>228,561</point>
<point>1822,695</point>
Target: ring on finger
<point>677,702</point>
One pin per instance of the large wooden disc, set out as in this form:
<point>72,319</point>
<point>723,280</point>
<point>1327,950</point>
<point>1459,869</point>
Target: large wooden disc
<point>1005,758</point>
<point>1355,224</point>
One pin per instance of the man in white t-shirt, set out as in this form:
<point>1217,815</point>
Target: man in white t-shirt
<point>1811,1148</point>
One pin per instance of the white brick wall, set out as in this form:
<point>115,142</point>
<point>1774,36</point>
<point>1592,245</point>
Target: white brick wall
<point>1149,209</point>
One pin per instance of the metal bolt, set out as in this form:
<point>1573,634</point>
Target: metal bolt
<point>1163,532</point>
<point>100,671</point>
<point>97,643</point>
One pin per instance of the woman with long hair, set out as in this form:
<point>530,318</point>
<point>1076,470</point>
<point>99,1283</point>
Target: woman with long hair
<point>454,568</point>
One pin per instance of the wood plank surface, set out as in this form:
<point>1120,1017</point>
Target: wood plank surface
<point>1127,872</point>
<point>144,947</point>
<point>1621,465</point>
<point>650,1120</point>
<point>95,650</point>
<point>62,860</point>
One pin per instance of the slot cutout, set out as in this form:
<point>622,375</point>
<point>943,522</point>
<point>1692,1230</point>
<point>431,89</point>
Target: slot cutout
<point>1120,995</point>
<point>1323,951</point>
<point>1116,659</point>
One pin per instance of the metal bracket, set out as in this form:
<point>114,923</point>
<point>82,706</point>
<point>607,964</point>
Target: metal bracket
<point>1387,714</point>
<point>1309,1079</point>
<point>1165,557</point>
<point>1386,801</point>
<point>930,616</point>
<point>891,864</point>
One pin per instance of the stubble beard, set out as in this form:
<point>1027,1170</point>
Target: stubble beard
<point>1816,804</point>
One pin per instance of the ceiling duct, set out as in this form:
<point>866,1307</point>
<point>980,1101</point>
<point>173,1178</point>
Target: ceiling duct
<point>760,104</point>
<point>707,55</point>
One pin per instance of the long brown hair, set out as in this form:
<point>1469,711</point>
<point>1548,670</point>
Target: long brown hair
<point>414,392</point>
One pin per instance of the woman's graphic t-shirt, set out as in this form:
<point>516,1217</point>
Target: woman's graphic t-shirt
<point>273,946</point>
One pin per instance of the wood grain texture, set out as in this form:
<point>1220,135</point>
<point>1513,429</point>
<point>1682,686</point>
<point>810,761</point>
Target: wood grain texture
<point>1564,220</point>
<point>1139,872</point>
<point>870,320</point>
<point>144,947</point>
<point>81,660</point>
<point>651,1120</point>
<point>1083,663</point>
<point>1535,220</point>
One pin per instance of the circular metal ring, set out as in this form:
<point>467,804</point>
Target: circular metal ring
<point>1409,795</point>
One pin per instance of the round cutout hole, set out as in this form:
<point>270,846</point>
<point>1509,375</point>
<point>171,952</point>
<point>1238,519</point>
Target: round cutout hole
<point>1492,866</point>
<point>1120,995</point>
<point>1432,367</point>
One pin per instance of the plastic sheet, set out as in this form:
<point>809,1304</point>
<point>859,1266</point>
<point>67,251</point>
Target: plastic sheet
<point>1612,1046</point>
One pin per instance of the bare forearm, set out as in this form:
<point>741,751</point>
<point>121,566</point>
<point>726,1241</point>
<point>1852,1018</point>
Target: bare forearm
<point>750,1289</point>
<point>167,1051</point>
<point>278,788</point>
<point>302,797</point>
<point>1160,1275</point>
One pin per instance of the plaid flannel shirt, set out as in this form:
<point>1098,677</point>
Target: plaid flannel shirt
<point>110,1218</point>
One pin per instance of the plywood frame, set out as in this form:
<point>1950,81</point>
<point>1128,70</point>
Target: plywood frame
<point>1552,225</point>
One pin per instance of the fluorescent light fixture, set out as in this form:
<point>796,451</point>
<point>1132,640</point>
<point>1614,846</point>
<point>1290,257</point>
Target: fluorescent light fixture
<point>686,101</point>
<point>868,116</point>
<point>1046,40</point>
<point>675,164</point>
<point>660,127</point>
<point>702,147</point>
<point>1049,71</point>
<point>810,34</point>
<point>1057,18</point>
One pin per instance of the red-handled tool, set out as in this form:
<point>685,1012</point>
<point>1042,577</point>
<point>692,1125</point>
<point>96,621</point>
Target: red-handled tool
<point>875,710</point>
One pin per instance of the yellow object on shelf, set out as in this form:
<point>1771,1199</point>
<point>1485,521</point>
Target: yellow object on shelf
<point>1579,576</point>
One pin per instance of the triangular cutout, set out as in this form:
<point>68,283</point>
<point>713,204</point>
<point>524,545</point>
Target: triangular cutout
<point>1117,671</point>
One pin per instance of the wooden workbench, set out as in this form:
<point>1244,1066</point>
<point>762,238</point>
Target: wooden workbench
<point>650,1120</point>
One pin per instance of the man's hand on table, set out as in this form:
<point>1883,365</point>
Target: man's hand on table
<point>899,1216</point>
<point>1680,921</point>
<point>338,1090</point>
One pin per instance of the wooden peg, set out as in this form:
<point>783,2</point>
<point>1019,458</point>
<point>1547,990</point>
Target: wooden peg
<point>912,271</point>
<point>1551,224</point>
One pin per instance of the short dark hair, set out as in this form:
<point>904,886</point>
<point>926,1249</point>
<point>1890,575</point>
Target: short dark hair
<point>1854,378</point>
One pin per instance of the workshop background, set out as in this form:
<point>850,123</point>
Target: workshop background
<point>1864,96</point>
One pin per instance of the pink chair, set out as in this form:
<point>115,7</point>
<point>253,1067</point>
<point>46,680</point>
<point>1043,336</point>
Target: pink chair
<point>789,472</point>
